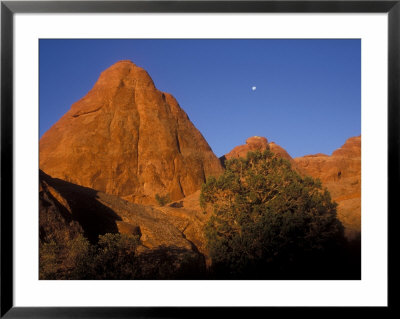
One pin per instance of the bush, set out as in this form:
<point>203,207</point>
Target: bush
<point>49,264</point>
<point>162,200</point>
<point>80,258</point>
<point>268,221</point>
<point>113,257</point>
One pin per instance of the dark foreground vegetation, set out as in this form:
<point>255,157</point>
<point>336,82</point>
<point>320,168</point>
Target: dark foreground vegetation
<point>114,256</point>
<point>267,222</point>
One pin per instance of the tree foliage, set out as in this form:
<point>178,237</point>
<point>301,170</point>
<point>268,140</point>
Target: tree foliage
<point>115,256</point>
<point>267,220</point>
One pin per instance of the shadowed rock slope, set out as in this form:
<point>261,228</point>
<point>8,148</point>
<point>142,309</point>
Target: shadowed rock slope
<point>67,209</point>
<point>128,139</point>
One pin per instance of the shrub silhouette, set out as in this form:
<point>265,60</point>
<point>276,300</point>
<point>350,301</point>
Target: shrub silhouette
<point>269,222</point>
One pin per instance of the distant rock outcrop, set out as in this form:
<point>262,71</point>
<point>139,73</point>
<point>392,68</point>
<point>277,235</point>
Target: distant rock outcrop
<point>280,151</point>
<point>257,143</point>
<point>341,174</point>
<point>126,138</point>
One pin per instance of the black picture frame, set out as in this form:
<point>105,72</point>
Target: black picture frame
<point>9,8</point>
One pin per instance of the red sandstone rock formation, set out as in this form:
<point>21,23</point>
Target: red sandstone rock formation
<point>258,143</point>
<point>127,138</point>
<point>255,143</point>
<point>341,174</point>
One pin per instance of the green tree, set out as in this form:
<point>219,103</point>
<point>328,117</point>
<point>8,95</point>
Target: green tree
<point>267,221</point>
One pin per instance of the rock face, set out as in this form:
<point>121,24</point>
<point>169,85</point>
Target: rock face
<point>190,218</point>
<point>257,143</point>
<point>341,174</point>
<point>281,152</point>
<point>67,209</point>
<point>126,138</point>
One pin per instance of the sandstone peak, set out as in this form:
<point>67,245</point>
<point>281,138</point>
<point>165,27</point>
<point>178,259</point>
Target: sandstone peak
<point>351,148</point>
<point>257,143</point>
<point>124,62</point>
<point>127,138</point>
<point>257,140</point>
<point>124,70</point>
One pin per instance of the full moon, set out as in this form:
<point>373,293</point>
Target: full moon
<point>253,88</point>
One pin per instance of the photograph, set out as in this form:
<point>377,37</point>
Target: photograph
<point>199,159</point>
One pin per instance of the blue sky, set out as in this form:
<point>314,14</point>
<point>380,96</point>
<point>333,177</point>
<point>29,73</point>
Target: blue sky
<point>307,97</point>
